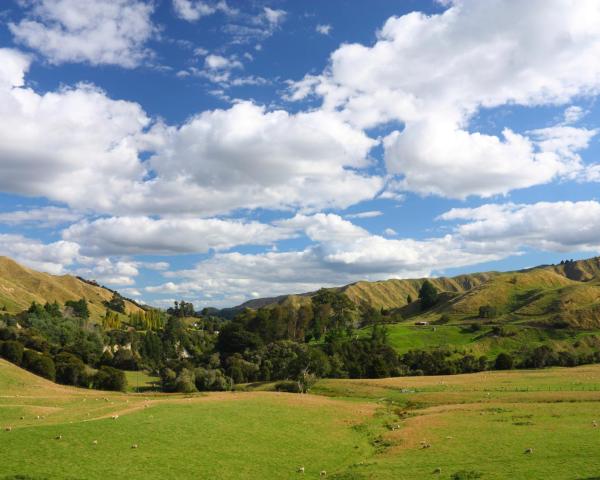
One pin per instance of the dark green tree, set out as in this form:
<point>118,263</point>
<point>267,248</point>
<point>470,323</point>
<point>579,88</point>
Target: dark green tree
<point>428,295</point>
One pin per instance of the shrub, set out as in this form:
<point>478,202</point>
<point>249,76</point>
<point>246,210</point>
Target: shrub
<point>503,362</point>
<point>108,378</point>
<point>287,386</point>
<point>70,370</point>
<point>40,364</point>
<point>79,307</point>
<point>184,383</point>
<point>13,352</point>
<point>465,475</point>
<point>487,311</point>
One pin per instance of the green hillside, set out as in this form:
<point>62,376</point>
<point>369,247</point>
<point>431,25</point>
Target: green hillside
<point>19,286</point>
<point>567,293</point>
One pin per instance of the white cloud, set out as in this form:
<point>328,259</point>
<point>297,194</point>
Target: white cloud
<point>323,29</point>
<point>143,235</point>
<point>14,66</point>
<point>458,163</point>
<point>94,31</point>
<point>390,232</point>
<point>368,214</point>
<point>75,145</point>
<point>79,147</point>
<point>218,62</point>
<point>249,157</point>
<point>551,226</point>
<point>52,258</point>
<point>109,272</point>
<point>193,10</point>
<point>341,253</point>
<point>44,216</point>
<point>573,114</point>
<point>433,73</point>
<point>274,16</point>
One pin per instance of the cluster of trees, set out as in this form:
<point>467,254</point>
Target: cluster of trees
<point>292,345</point>
<point>151,319</point>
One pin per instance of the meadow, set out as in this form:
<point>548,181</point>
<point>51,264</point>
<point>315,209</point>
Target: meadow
<point>474,426</point>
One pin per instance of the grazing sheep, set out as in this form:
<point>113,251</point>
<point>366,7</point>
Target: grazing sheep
<point>58,437</point>
<point>8,429</point>
<point>95,442</point>
<point>529,450</point>
<point>438,470</point>
<point>301,470</point>
<point>594,424</point>
<point>114,417</point>
<point>323,473</point>
<point>426,445</point>
<point>134,446</point>
<point>37,417</point>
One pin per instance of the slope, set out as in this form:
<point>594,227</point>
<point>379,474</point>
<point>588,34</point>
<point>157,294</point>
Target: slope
<point>19,286</point>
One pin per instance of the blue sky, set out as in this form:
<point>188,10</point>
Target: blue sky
<point>218,151</point>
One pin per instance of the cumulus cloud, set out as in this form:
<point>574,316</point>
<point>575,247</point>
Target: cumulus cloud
<point>99,32</point>
<point>43,217</point>
<point>217,161</point>
<point>74,145</point>
<point>437,158</point>
<point>551,226</point>
<point>248,156</point>
<point>52,258</point>
<point>143,235</point>
<point>433,73</point>
<point>340,253</point>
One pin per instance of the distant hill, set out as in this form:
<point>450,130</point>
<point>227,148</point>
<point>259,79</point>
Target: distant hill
<point>19,286</point>
<point>549,294</point>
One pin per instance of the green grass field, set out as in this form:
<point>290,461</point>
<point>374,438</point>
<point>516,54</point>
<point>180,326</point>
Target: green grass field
<point>481,422</point>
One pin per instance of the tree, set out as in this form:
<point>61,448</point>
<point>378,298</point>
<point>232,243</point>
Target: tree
<point>70,370</point>
<point>503,362</point>
<point>116,303</point>
<point>13,352</point>
<point>409,298</point>
<point>79,307</point>
<point>108,378</point>
<point>428,295</point>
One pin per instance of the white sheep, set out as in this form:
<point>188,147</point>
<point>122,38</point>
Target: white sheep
<point>323,473</point>
<point>95,442</point>
<point>134,446</point>
<point>529,450</point>
<point>114,417</point>
<point>301,470</point>
<point>8,429</point>
<point>58,437</point>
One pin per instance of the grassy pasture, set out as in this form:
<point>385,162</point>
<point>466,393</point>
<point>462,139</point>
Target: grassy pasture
<point>480,422</point>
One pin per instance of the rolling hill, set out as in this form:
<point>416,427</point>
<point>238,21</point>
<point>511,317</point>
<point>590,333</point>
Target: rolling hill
<point>19,286</point>
<point>566,293</point>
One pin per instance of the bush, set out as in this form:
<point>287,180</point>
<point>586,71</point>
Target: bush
<point>70,370</point>
<point>287,386</point>
<point>465,475</point>
<point>79,307</point>
<point>503,362</point>
<point>108,378</point>
<point>212,380</point>
<point>184,383</point>
<point>487,311</point>
<point>13,352</point>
